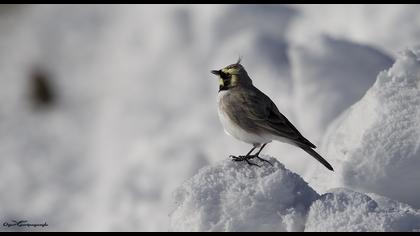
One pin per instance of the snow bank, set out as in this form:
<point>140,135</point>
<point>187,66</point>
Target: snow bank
<point>231,196</point>
<point>374,146</point>
<point>346,210</point>
<point>329,76</point>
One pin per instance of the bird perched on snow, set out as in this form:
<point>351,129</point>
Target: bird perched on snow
<point>250,116</point>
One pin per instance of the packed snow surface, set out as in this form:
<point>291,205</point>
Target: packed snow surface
<point>331,75</point>
<point>231,196</point>
<point>375,145</point>
<point>343,210</point>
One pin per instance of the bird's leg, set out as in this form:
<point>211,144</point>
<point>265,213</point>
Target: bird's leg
<point>252,149</point>
<point>258,153</point>
<point>250,163</point>
<point>241,158</point>
<point>245,158</point>
<point>248,156</point>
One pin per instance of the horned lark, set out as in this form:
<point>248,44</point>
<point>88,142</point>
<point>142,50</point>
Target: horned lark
<point>250,116</point>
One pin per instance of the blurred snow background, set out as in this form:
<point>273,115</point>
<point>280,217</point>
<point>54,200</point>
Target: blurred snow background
<point>132,113</point>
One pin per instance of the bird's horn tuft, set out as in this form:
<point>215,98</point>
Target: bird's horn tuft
<point>239,60</point>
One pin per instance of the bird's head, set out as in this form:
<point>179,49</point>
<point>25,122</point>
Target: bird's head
<point>232,75</point>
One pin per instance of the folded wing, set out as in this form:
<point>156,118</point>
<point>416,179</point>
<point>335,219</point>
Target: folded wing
<point>262,108</point>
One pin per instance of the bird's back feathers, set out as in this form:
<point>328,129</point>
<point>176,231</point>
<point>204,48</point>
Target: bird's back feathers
<point>260,112</point>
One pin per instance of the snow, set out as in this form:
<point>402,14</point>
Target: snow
<point>331,74</point>
<point>343,210</point>
<point>136,116</point>
<point>391,27</point>
<point>231,196</point>
<point>374,145</point>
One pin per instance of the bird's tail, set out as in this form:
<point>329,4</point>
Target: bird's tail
<point>312,152</point>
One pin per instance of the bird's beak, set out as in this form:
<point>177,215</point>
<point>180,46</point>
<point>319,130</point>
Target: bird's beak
<point>215,72</point>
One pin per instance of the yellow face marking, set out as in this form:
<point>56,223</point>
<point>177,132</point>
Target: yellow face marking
<point>221,83</point>
<point>232,71</point>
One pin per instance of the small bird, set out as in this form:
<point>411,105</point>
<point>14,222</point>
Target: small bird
<point>249,115</point>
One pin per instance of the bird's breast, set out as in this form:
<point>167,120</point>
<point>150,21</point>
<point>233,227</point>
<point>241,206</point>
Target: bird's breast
<point>231,127</point>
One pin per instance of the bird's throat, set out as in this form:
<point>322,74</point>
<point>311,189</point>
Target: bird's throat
<point>223,88</point>
<point>222,85</point>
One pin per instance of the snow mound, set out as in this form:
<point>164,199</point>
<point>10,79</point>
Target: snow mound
<point>374,146</point>
<point>329,76</point>
<point>231,196</point>
<point>345,210</point>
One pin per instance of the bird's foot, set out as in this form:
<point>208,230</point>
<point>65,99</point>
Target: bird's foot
<point>244,158</point>
<point>249,157</point>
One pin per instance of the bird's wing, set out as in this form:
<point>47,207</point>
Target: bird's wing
<point>260,107</point>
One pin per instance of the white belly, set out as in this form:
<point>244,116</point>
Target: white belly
<point>237,132</point>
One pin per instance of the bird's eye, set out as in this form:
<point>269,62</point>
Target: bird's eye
<point>225,75</point>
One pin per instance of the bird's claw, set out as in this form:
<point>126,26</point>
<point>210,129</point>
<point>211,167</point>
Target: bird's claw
<point>244,158</point>
<point>247,158</point>
<point>236,158</point>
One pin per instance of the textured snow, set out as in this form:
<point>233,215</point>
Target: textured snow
<point>331,74</point>
<point>375,145</point>
<point>231,196</point>
<point>343,210</point>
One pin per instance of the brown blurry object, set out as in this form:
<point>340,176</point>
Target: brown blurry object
<point>41,90</point>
